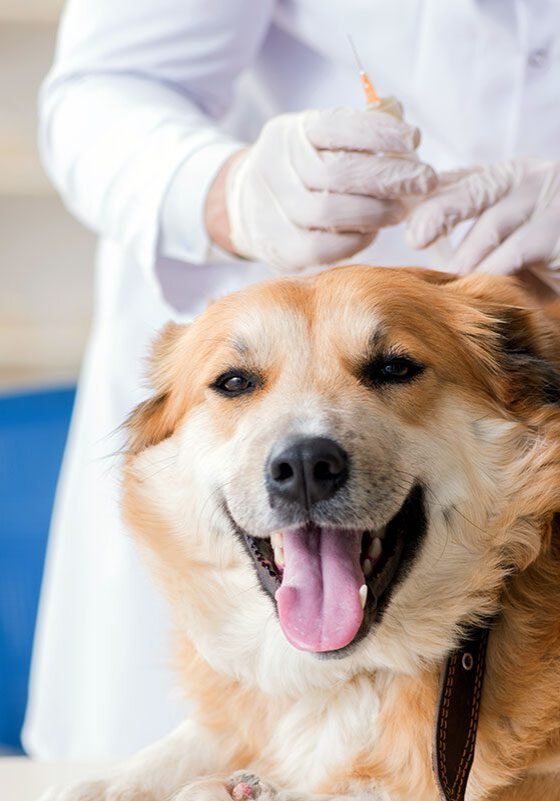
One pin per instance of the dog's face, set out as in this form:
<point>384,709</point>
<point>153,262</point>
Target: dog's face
<point>325,461</point>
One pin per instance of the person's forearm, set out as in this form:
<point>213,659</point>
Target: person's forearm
<point>134,98</point>
<point>216,216</point>
<point>113,145</point>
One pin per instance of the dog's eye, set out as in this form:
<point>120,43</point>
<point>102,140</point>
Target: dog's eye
<point>234,383</point>
<point>392,370</point>
<point>237,383</point>
<point>399,369</point>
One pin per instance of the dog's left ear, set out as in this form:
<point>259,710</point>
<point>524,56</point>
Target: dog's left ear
<point>530,348</point>
<point>524,341</point>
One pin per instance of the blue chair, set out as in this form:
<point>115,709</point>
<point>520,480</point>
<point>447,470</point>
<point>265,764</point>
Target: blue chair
<point>33,430</point>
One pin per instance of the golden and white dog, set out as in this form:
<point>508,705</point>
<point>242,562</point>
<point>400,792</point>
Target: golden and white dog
<point>335,475</point>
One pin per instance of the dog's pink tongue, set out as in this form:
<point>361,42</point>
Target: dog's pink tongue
<point>319,602</point>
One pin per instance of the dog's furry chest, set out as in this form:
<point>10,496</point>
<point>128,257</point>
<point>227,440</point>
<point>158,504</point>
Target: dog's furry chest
<point>372,736</point>
<point>322,734</point>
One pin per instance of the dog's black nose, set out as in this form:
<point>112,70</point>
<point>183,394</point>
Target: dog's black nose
<point>307,470</point>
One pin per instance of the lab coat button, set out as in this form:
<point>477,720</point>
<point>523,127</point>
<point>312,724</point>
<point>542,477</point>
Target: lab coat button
<point>538,58</point>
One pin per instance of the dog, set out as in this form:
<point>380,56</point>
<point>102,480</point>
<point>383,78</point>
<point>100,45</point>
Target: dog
<point>337,476</point>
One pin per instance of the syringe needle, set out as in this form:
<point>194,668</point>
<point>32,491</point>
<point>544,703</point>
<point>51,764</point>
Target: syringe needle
<point>372,97</point>
<point>356,56</point>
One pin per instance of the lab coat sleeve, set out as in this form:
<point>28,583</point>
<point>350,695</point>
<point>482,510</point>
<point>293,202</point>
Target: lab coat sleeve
<point>133,103</point>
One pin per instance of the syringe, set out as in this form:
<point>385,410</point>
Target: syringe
<point>390,105</point>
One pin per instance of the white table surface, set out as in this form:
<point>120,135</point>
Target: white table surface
<point>23,779</point>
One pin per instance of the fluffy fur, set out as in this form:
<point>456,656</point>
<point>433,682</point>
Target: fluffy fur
<point>480,430</point>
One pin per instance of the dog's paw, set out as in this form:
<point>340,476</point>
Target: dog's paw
<point>97,791</point>
<point>248,787</point>
<point>241,786</point>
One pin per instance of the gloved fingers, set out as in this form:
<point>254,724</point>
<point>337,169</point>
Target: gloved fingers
<point>326,247</point>
<point>262,227</point>
<point>489,231</point>
<point>325,206</point>
<point>364,174</point>
<point>331,211</point>
<point>304,248</point>
<point>523,248</point>
<point>455,202</point>
<point>351,129</point>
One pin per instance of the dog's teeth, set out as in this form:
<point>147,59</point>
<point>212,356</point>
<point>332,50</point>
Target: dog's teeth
<point>279,555</point>
<point>381,533</point>
<point>363,595</point>
<point>375,549</point>
<point>277,539</point>
<point>367,567</point>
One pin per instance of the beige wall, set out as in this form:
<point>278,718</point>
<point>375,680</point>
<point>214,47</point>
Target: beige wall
<point>46,257</point>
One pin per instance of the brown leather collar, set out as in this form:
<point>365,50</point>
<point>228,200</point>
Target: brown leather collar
<point>457,714</point>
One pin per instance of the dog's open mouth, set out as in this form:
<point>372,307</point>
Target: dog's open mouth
<point>330,584</point>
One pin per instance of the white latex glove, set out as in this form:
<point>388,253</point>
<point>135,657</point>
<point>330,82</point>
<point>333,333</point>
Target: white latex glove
<point>317,185</point>
<point>518,208</point>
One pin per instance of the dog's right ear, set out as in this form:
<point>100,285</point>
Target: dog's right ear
<point>148,424</point>
<point>155,419</point>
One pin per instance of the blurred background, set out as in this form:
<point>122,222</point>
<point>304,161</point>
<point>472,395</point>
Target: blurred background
<point>46,273</point>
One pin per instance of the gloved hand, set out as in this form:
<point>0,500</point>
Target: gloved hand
<point>519,224</point>
<point>317,185</point>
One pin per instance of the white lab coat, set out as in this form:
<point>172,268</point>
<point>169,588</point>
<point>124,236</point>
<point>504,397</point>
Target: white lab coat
<point>132,133</point>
